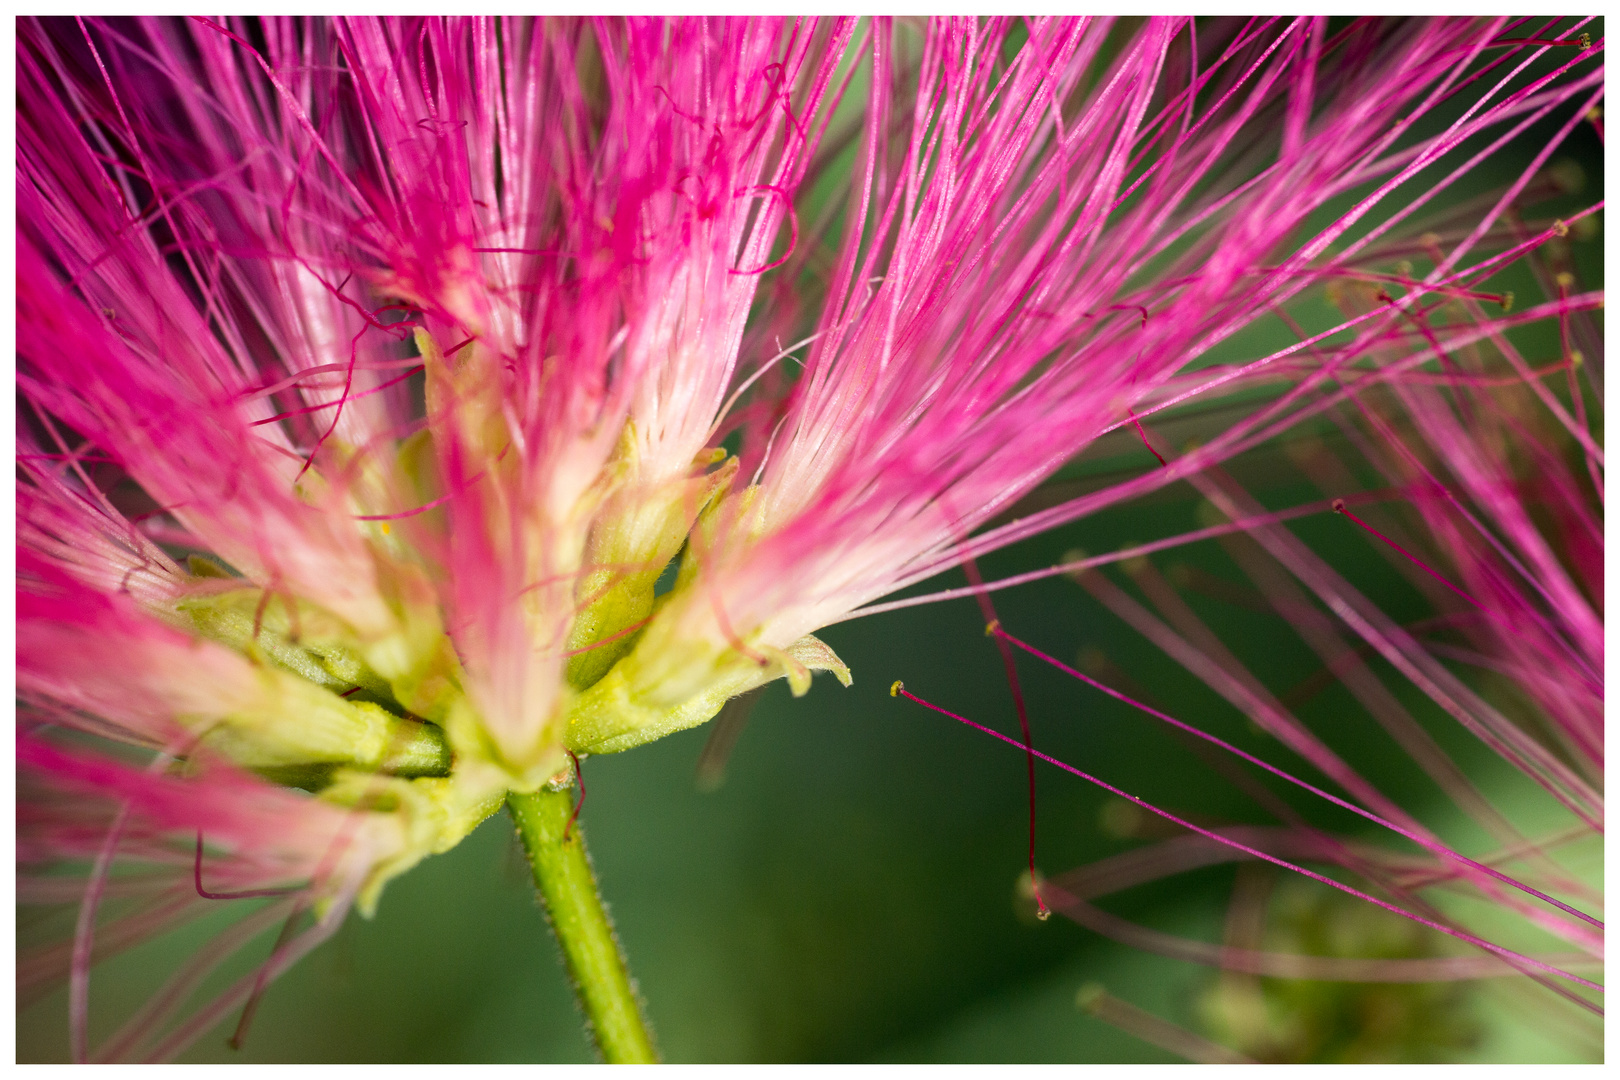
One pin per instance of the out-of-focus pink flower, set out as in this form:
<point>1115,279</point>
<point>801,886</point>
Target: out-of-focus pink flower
<point>375,371</point>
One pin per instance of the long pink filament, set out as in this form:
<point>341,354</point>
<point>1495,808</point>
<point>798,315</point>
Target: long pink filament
<point>1460,935</point>
<point>1427,844</point>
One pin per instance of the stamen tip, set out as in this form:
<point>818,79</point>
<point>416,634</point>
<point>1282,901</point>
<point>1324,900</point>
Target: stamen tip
<point>894,690</point>
<point>1338,506</point>
<point>992,628</point>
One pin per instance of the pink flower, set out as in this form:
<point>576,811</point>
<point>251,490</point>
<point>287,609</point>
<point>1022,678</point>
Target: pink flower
<point>376,370</point>
<point>1488,509</point>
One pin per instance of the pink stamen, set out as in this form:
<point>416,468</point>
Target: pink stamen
<point>1508,954</point>
<point>340,841</point>
<point>1582,42</point>
<point>1143,435</point>
<point>1422,287</point>
<point>322,369</point>
<point>258,613</point>
<point>93,459</point>
<point>579,778</point>
<point>1130,307</point>
<point>793,224</point>
<point>424,508</point>
<point>379,388</point>
<point>440,501</point>
<point>246,894</point>
<point>239,1036</point>
<point>1428,845</point>
<point>992,627</point>
<point>84,938</point>
<point>1339,507</point>
<point>343,399</point>
<point>615,636</point>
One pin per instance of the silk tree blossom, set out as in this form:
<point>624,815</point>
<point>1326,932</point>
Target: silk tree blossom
<point>375,372</point>
<point>227,247</point>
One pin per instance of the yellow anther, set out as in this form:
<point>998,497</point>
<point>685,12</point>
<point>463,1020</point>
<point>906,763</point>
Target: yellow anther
<point>1507,301</point>
<point>992,627</point>
<point>894,690</point>
<point>1566,279</point>
<point>1559,228</point>
<point>1576,359</point>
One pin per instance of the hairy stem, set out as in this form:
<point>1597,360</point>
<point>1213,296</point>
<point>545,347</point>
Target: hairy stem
<point>562,873</point>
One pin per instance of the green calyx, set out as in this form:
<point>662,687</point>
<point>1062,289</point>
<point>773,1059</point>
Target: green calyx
<point>630,706</point>
<point>304,641</point>
<point>639,685</point>
<point>640,530</point>
<point>380,720</point>
<point>322,704</point>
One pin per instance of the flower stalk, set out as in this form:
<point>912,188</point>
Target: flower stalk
<point>555,846</point>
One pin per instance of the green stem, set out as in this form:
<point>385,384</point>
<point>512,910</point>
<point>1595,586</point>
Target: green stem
<point>562,873</point>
